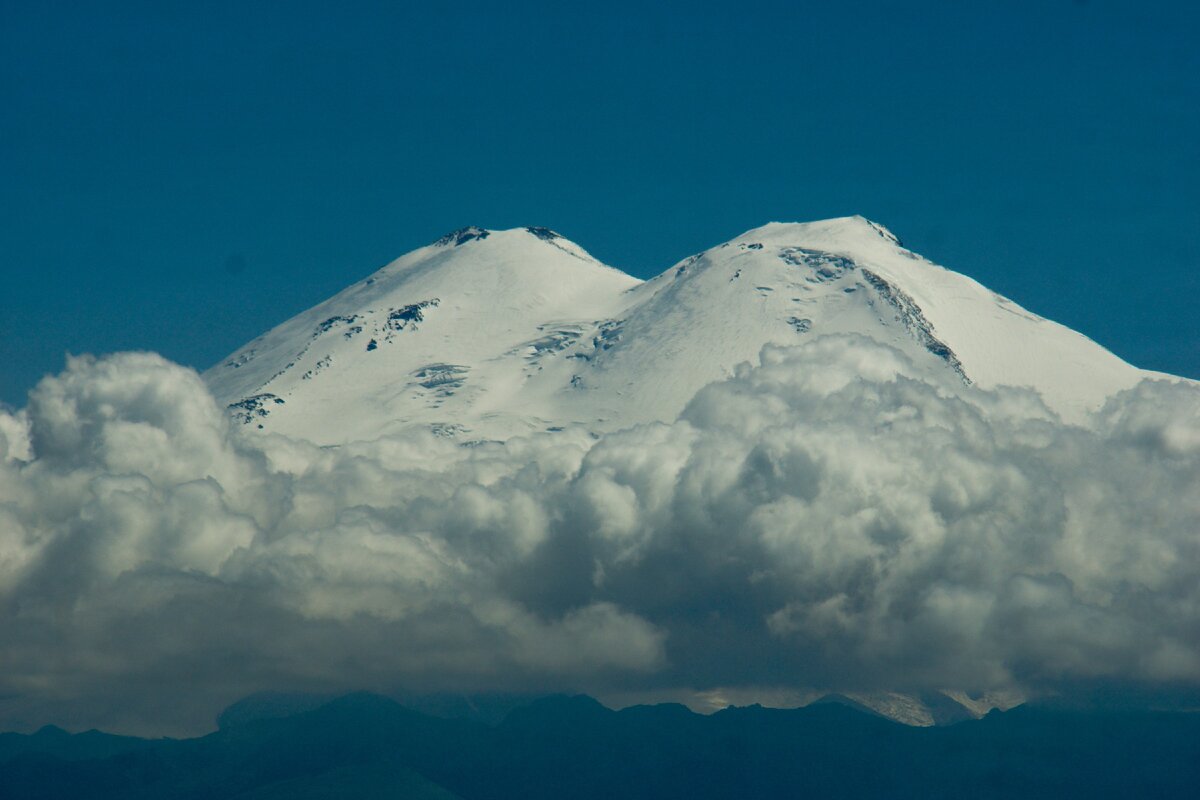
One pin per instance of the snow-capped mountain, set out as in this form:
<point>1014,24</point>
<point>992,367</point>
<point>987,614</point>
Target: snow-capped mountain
<point>487,334</point>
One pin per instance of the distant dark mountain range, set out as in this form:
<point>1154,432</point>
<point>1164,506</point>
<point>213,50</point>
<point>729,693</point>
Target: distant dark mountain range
<point>367,746</point>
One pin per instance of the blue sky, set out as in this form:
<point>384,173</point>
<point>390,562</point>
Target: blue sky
<point>181,177</point>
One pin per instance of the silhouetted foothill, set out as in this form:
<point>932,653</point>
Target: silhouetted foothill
<point>366,746</point>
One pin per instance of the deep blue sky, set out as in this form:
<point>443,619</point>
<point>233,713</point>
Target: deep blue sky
<point>182,179</point>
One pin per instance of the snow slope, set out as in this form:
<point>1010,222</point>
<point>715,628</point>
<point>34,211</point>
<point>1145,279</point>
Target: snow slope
<point>487,334</point>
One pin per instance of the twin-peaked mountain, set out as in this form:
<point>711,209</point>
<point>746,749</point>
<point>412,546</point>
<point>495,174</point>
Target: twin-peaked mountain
<point>489,334</point>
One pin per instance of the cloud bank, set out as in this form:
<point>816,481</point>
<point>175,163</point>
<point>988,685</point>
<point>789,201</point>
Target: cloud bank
<point>820,521</point>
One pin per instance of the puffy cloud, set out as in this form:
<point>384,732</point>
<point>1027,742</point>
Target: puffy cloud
<point>14,436</point>
<point>820,521</point>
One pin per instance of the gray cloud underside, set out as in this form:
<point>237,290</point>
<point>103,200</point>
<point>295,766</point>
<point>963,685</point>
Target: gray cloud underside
<point>819,521</point>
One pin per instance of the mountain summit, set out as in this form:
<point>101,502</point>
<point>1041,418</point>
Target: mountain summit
<point>488,334</point>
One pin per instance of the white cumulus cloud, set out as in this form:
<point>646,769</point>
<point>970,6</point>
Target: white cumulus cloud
<point>818,522</point>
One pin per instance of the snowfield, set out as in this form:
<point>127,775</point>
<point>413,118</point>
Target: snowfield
<point>483,335</point>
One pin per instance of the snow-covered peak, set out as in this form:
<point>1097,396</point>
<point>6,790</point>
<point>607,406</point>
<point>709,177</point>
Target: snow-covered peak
<point>848,228</point>
<point>432,338</point>
<point>850,235</point>
<point>486,248</point>
<point>474,234</point>
<point>489,333</point>
<point>461,236</point>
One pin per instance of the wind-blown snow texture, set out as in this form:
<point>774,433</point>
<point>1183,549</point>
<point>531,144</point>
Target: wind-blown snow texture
<point>860,506</point>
